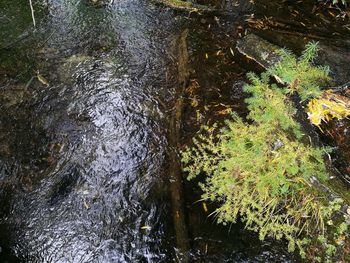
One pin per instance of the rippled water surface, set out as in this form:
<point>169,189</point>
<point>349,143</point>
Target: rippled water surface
<point>82,154</point>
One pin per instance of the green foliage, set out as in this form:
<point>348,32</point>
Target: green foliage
<point>328,243</point>
<point>278,111</point>
<point>261,172</point>
<point>299,74</point>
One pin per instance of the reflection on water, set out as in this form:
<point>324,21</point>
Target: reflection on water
<point>85,151</point>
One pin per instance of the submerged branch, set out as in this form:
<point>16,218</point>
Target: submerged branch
<point>32,10</point>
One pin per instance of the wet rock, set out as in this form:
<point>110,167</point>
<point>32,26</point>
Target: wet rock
<point>47,53</point>
<point>337,58</point>
<point>237,90</point>
<point>339,132</point>
<point>13,95</point>
<point>259,50</point>
<point>4,145</point>
<point>69,66</point>
<point>76,59</point>
<point>98,3</point>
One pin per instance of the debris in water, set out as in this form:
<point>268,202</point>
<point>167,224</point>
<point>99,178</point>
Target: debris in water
<point>86,205</point>
<point>205,208</point>
<point>42,79</point>
<point>194,102</point>
<point>146,227</point>
<point>233,54</point>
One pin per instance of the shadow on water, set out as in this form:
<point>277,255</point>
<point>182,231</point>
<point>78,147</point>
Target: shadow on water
<point>85,103</point>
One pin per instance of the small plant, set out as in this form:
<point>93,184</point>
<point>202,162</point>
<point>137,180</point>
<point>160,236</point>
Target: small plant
<point>262,173</point>
<point>268,104</point>
<point>299,74</point>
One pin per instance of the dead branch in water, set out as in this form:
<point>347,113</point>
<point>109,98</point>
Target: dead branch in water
<point>32,10</point>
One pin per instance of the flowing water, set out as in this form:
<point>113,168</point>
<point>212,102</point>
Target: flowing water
<point>85,102</point>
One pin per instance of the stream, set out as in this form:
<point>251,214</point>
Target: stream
<point>85,144</point>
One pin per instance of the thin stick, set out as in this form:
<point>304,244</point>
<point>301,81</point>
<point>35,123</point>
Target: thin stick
<point>32,9</point>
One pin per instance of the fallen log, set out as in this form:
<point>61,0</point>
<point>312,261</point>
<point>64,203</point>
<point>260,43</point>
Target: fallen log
<point>189,7</point>
<point>175,171</point>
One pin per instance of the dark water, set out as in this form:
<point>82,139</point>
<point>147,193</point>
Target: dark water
<point>83,153</point>
<point>84,157</point>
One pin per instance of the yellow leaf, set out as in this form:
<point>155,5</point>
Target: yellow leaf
<point>146,227</point>
<point>340,240</point>
<point>85,205</point>
<point>42,79</point>
<point>205,208</point>
<point>225,111</point>
<point>194,102</point>
<point>329,106</point>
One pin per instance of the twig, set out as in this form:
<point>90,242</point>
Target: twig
<point>32,9</point>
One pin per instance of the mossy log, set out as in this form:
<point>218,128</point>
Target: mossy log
<point>189,7</point>
<point>181,5</point>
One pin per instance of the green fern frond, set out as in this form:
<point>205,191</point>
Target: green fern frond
<point>310,52</point>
